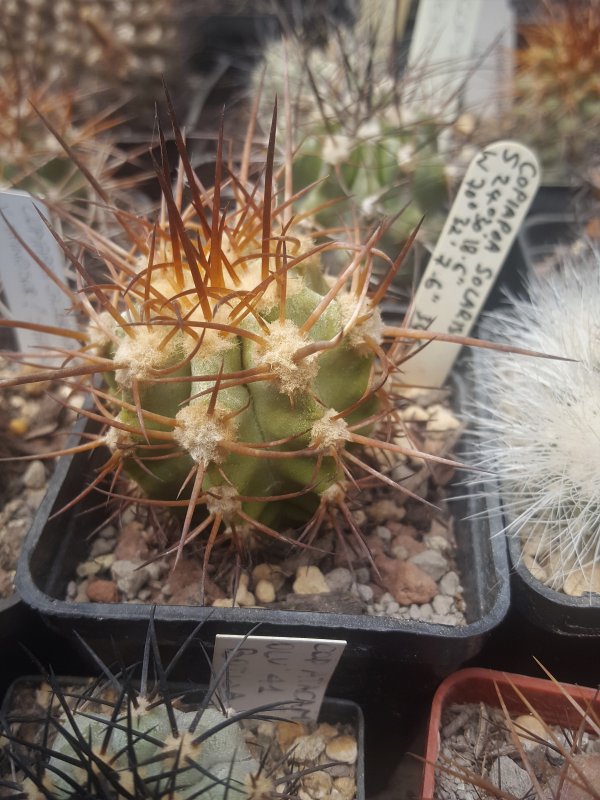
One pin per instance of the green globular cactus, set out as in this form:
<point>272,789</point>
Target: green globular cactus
<point>245,388</point>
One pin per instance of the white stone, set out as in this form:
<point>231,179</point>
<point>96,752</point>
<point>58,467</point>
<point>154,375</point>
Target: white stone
<point>365,592</point>
<point>339,579</point>
<point>513,780</point>
<point>431,562</point>
<point>128,577</point>
<point>35,475</point>
<point>450,584</point>
<point>310,580</point>
<point>264,591</point>
<point>442,604</point>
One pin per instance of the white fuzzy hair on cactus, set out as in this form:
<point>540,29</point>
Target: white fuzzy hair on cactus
<point>538,426</point>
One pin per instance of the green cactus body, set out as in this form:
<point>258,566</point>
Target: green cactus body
<point>143,757</point>
<point>231,430</point>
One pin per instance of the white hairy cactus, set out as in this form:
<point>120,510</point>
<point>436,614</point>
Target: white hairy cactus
<point>538,425</point>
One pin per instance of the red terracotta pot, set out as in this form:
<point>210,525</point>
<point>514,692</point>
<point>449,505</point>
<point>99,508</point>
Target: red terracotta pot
<point>479,685</point>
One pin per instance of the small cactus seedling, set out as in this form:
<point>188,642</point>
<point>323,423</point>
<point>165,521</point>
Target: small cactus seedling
<point>539,424</point>
<point>118,737</point>
<point>244,387</point>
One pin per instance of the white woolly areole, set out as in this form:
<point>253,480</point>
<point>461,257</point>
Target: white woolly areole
<point>372,327</point>
<point>100,331</point>
<point>283,342</point>
<point>336,149</point>
<point>328,432</point>
<point>141,353</point>
<point>202,435</point>
<point>224,501</point>
<point>334,494</point>
<point>118,439</point>
<point>539,426</point>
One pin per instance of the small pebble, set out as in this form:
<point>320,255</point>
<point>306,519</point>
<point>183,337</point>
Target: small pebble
<point>431,562</point>
<point>339,579</point>
<point>264,591</point>
<point>365,592</point>
<point>342,748</point>
<point>506,774</point>
<point>88,568</point>
<point>384,533</point>
<point>310,580</point>
<point>100,547</point>
<point>99,591</point>
<point>318,785</point>
<point>35,475</point>
<point>450,584</point>
<point>308,748</point>
<point>531,731</point>
<point>442,604</point>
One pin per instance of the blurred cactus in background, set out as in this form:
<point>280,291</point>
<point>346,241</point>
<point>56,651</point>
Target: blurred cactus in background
<point>557,90</point>
<point>371,157</point>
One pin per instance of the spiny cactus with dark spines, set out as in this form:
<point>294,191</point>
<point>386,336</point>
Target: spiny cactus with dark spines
<point>244,387</point>
<point>557,91</point>
<point>120,737</point>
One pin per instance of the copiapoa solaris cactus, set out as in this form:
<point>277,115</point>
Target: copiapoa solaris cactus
<point>124,736</point>
<point>244,387</point>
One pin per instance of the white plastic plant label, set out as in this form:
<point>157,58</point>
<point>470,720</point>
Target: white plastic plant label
<point>460,57</point>
<point>29,294</point>
<point>440,53</point>
<point>277,669</point>
<point>482,224</point>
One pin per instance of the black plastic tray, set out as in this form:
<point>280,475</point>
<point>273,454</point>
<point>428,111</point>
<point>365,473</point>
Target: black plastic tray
<point>333,710</point>
<point>428,651</point>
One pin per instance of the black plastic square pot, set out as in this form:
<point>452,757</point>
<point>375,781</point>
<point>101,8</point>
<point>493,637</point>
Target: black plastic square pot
<point>425,651</point>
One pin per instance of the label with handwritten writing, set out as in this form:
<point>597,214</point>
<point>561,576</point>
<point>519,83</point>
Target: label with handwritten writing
<point>482,224</point>
<point>29,294</point>
<point>277,669</point>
